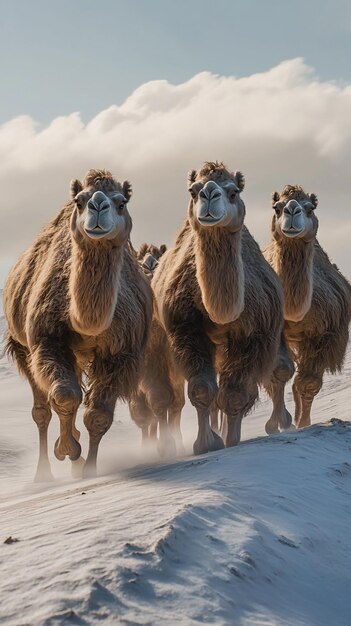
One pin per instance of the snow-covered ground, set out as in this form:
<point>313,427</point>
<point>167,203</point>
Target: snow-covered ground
<point>259,534</point>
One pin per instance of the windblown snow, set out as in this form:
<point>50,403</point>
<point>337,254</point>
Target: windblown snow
<point>254,535</point>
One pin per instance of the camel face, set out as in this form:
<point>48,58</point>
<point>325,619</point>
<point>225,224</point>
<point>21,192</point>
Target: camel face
<point>101,215</point>
<point>148,256</point>
<point>294,215</point>
<point>216,204</point>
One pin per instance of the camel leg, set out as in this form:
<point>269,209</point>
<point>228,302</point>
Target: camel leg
<point>100,403</point>
<point>284,370</point>
<point>298,405</point>
<point>307,385</point>
<point>153,430</point>
<point>54,368</point>
<point>235,398</point>
<point>202,390</point>
<point>194,355</point>
<point>41,413</point>
<point>141,414</point>
<point>214,411</point>
<point>175,414</point>
<point>78,465</point>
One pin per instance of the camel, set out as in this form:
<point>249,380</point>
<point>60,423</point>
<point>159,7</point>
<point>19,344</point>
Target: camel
<point>159,399</point>
<point>317,306</point>
<point>77,304</point>
<point>220,303</point>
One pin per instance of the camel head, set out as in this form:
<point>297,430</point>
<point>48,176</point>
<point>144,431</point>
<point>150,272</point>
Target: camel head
<point>215,197</point>
<point>148,256</point>
<point>294,214</point>
<point>100,209</point>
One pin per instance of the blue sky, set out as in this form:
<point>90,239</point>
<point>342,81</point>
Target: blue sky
<point>264,85</point>
<point>81,55</point>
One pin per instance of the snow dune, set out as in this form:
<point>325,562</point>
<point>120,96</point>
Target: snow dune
<point>257,535</point>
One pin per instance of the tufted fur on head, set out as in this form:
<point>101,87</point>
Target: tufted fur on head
<point>294,191</point>
<point>101,180</point>
<point>217,171</point>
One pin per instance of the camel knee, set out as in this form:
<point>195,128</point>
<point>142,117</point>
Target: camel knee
<point>202,391</point>
<point>308,386</point>
<point>159,400</point>
<point>41,414</point>
<point>65,397</point>
<point>284,371</point>
<point>236,400</point>
<point>97,422</point>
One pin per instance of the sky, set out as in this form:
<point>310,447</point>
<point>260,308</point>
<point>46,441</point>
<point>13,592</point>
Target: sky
<point>152,88</point>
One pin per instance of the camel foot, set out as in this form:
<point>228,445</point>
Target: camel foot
<point>303,423</point>
<point>271,427</point>
<point>166,447</point>
<point>77,468</point>
<point>210,442</point>
<point>44,474</point>
<point>67,446</point>
<point>286,422</point>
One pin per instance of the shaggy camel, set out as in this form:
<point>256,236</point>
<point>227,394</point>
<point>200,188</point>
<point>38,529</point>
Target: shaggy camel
<point>78,303</point>
<point>159,399</point>
<point>317,306</point>
<point>220,303</point>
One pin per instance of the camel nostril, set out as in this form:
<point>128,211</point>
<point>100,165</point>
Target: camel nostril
<point>215,194</point>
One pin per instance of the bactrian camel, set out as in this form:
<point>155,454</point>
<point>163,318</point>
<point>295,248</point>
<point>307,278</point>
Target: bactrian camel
<point>77,304</point>
<point>317,306</point>
<point>220,303</point>
<point>159,399</point>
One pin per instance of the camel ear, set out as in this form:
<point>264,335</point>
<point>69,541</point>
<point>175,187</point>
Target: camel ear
<point>313,199</point>
<point>163,248</point>
<point>142,250</point>
<point>240,180</point>
<point>75,187</point>
<point>275,197</point>
<point>127,189</point>
<point>192,176</point>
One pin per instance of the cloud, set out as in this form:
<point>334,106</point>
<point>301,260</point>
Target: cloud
<point>281,126</point>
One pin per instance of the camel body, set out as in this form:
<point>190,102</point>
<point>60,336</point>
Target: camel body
<point>317,309</point>
<point>213,275</point>
<point>159,399</point>
<point>65,283</point>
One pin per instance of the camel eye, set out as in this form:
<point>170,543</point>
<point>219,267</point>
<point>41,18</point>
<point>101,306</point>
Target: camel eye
<point>122,206</point>
<point>192,193</point>
<point>79,204</point>
<point>278,209</point>
<point>232,196</point>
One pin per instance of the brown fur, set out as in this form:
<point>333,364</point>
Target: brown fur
<point>317,311</point>
<point>62,284</point>
<point>159,399</point>
<point>242,351</point>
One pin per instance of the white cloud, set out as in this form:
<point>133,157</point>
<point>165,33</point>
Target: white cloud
<point>279,126</point>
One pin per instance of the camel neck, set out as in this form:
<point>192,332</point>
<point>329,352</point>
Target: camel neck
<point>94,286</point>
<point>294,266</point>
<point>220,273</point>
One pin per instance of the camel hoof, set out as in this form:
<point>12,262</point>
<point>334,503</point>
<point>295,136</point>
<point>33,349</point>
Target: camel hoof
<point>211,443</point>
<point>285,423</point>
<point>303,424</point>
<point>77,468</point>
<point>271,427</point>
<point>70,447</point>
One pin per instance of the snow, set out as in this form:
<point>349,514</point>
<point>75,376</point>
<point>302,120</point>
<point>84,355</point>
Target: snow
<point>256,535</point>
